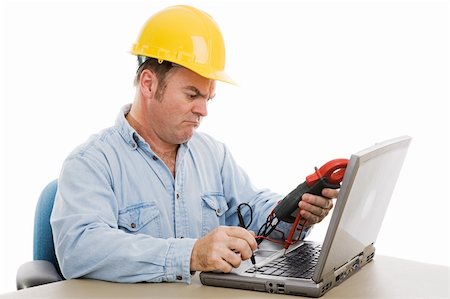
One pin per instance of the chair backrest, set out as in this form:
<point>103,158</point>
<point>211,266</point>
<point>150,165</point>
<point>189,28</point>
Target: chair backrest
<point>43,247</point>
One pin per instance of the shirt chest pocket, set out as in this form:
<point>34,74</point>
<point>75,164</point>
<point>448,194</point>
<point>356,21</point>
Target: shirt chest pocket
<point>143,218</point>
<point>214,207</point>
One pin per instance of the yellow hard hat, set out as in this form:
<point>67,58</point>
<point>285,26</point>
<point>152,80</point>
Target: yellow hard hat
<point>186,36</point>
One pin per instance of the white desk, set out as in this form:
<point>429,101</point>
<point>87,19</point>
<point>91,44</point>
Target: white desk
<point>385,277</point>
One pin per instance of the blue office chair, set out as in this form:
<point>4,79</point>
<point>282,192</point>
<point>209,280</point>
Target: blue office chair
<point>44,268</point>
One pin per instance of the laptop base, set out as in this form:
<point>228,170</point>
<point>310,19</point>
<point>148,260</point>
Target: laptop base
<point>290,286</point>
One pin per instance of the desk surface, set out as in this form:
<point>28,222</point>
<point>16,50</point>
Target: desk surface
<point>385,277</point>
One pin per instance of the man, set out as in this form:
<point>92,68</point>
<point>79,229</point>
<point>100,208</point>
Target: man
<point>150,199</point>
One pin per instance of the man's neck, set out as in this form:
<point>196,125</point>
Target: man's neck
<point>167,152</point>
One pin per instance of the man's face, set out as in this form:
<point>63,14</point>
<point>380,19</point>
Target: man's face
<point>183,104</point>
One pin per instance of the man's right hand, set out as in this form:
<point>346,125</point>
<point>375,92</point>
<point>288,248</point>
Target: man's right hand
<point>222,249</point>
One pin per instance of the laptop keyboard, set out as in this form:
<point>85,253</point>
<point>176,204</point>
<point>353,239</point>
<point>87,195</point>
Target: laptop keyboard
<point>299,263</point>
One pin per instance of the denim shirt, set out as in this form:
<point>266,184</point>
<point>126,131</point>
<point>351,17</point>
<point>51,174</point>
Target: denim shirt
<point>120,215</point>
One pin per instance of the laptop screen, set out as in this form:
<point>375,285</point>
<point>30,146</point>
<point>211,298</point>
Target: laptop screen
<point>369,181</point>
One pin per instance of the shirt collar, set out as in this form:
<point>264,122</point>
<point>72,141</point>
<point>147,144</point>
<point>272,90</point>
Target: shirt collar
<point>130,135</point>
<point>127,132</point>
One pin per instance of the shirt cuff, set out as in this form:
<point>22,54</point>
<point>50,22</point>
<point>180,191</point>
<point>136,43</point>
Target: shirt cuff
<point>178,263</point>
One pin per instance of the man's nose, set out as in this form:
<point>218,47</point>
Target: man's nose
<point>200,107</point>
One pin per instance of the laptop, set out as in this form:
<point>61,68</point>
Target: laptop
<point>310,268</point>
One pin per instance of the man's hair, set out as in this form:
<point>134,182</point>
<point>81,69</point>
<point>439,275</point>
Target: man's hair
<point>160,70</point>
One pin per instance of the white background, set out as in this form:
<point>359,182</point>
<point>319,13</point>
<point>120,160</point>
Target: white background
<point>318,80</point>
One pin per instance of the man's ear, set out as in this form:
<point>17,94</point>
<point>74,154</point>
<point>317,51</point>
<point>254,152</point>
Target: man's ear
<point>148,83</point>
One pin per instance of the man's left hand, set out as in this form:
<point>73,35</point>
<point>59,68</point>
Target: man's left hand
<point>315,208</point>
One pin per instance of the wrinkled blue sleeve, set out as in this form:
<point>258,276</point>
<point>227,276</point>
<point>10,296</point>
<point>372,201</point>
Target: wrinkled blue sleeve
<point>239,189</point>
<point>88,242</point>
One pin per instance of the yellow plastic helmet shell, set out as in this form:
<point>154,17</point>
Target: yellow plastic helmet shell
<point>186,36</point>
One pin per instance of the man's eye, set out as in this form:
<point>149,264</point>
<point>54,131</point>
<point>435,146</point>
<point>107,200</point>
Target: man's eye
<point>192,96</point>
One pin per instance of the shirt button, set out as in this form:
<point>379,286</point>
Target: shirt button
<point>179,277</point>
<point>218,211</point>
<point>155,158</point>
<point>178,195</point>
<point>133,225</point>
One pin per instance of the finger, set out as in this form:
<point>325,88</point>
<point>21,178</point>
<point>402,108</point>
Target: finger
<point>232,258</point>
<point>328,204</point>
<point>310,217</point>
<point>223,266</point>
<point>223,259</point>
<point>330,193</point>
<point>313,209</point>
<point>318,201</point>
<point>242,233</point>
<point>240,246</point>
<point>208,256</point>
